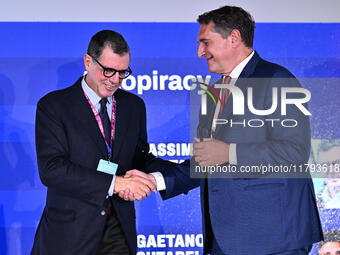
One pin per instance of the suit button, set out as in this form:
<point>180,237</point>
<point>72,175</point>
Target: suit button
<point>103,213</point>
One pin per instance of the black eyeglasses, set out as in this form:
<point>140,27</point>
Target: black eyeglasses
<point>108,72</point>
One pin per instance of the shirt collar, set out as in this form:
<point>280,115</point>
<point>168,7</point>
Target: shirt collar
<point>94,98</point>
<point>235,73</point>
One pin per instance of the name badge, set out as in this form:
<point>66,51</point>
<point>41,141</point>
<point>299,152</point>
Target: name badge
<point>107,167</point>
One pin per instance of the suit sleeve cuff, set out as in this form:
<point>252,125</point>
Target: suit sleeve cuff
<point>159,180</point>
<point>232,154</point>
<point>112,186</point>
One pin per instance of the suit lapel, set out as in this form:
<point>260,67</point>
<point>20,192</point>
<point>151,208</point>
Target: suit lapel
<point>242,84</point>
<point>85,117</point>
<point>88,122</point>
<point>249,69</point>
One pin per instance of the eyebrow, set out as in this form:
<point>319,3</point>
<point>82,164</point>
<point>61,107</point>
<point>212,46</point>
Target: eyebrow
<point>203,40</point>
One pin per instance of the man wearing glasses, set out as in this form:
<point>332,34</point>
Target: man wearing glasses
<point>87,136</point>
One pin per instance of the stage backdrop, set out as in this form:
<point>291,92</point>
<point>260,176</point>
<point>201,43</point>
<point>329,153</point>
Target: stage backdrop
<point>40,52</point>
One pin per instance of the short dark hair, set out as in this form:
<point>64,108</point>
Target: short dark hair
<point>228,18</point>
<point>107,38</point>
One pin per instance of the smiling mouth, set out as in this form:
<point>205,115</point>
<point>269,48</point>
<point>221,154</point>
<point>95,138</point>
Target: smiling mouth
<point>110,86</point>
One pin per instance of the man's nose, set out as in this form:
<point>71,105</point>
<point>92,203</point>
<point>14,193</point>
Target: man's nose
<point>115,78</point>
<point>200,51</point>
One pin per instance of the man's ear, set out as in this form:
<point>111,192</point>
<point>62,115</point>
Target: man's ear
<point>236,38</point>
<point>87,61</point>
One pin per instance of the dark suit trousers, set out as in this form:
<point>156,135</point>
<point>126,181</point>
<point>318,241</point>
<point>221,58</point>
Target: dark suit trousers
<point>113,241</point>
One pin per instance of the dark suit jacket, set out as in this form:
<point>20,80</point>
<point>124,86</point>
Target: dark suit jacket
<point>257,215</point>
<point>69,146</point>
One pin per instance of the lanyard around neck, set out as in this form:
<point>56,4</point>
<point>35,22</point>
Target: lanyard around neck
<point>99,121</point>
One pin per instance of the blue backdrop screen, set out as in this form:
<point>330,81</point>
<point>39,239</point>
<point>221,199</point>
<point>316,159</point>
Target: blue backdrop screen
<point>36,58</point>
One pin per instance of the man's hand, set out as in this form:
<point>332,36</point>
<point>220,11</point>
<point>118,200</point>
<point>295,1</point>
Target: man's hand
<point>130,192</point>
<point>211,152</point>
<point>133,187</point>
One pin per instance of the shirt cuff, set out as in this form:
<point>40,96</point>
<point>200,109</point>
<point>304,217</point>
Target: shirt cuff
<point>159,180</point>
<point>112,186</point>
<point>232,154</point>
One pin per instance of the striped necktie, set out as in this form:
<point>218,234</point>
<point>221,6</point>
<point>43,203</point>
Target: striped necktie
<point>224,95</point>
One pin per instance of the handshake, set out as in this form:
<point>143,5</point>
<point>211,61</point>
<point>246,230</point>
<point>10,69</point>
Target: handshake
<point>134,185</point>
